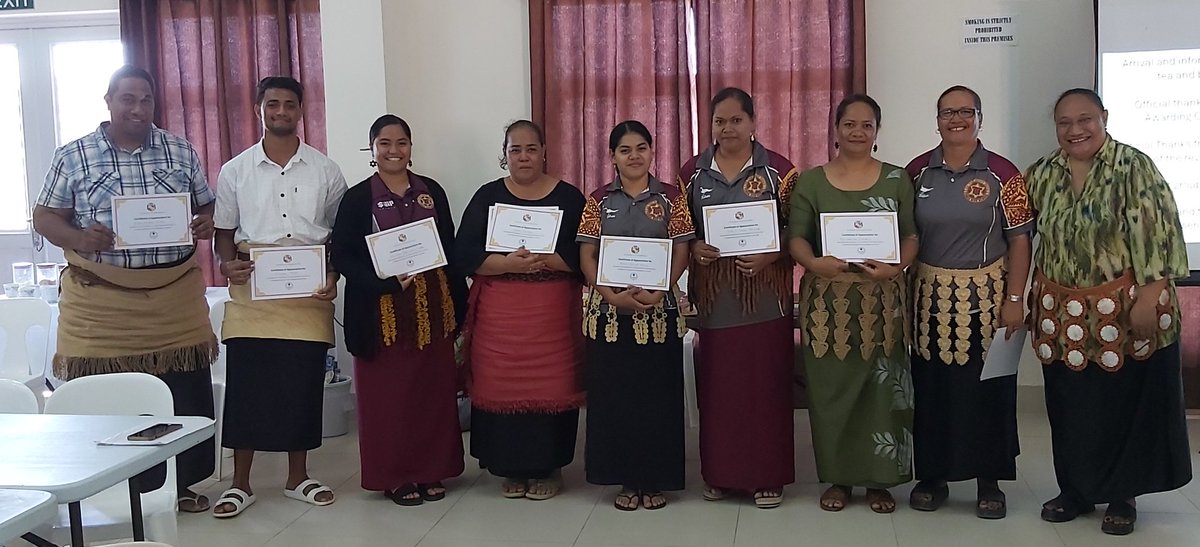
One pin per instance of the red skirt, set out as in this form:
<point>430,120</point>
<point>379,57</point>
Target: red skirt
<point>744,391</point>
<point>408,416</point>
<point>525,345</point>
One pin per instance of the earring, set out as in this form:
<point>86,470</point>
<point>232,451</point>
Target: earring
<point>836,145</point>
<point>410,163</point>
<point>875,148</point>
<point>373,163</point>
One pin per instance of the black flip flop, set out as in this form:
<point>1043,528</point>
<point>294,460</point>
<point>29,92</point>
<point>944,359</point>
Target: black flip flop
<point>1119,510</point>
<point>651,495</point>
<point>428,495</point>
<point>398,495</point>
<point>926,497</point>
<point>1064,509</point>
<point>991,494</point>
<point>632,496</point>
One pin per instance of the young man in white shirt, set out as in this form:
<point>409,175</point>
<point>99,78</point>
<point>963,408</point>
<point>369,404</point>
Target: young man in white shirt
<point>279,192</point>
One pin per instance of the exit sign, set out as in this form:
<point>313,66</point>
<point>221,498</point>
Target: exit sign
<point>6,5</point>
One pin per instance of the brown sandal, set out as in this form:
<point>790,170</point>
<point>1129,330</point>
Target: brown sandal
<point>879,498</point>
<point>836,498</point>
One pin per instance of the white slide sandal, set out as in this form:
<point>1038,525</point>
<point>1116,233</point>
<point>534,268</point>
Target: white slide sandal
<point>236,497</point>
<point>311,497</point>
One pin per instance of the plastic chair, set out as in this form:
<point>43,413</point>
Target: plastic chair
<point>17,398</point>
<point>106,515</point>
<point>216,315</point>
<point>138,544</point>
<point>17,317</point>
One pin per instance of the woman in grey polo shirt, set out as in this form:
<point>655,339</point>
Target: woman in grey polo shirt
<point>974,220</point>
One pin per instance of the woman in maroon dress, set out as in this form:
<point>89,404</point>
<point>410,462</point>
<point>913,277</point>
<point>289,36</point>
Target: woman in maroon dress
<point>401,330</point>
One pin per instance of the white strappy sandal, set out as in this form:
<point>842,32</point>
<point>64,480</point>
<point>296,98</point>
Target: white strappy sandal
<point>297,493</point>
<point>236,497</point>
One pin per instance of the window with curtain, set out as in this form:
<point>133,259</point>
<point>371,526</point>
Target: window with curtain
<point>594,64</point>
<point>208,56</point>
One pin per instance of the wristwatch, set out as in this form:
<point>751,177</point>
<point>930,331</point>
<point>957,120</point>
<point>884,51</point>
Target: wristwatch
<point>1014,298</point>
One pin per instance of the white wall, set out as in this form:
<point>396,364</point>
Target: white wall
<point>914,53</point>
<point>458,72</point>
<point>355,84</point>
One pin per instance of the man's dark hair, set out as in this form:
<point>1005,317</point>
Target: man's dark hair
<point>279,82</point>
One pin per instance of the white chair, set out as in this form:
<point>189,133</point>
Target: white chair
<point>138,544</point>
<point>18,316</point>
<point>106,515</point>
<point>17,398</point>
<point>216,315</point>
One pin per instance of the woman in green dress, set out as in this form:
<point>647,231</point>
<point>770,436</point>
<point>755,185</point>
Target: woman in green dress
<point>855,328</point>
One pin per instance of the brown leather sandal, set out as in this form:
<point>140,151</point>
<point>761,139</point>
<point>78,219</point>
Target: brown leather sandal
<point>836,498</point>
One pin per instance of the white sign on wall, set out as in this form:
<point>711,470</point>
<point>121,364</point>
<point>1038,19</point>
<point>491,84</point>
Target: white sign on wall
<point>989,31</point>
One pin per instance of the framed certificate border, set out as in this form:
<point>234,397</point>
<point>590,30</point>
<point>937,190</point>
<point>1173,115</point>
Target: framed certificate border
<point>255,252</point>
<point>772,211</point>
<point>662,283</point>
<point>891,218</point>
<point>184,239</point>
<point>429,224</point>
<point>494,246</point>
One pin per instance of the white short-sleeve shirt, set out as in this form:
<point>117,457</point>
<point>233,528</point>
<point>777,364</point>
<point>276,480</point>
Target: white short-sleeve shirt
<point>266,203</point>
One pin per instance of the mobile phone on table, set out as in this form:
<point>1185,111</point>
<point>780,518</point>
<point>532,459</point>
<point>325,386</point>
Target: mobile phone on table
<point>156,431</point>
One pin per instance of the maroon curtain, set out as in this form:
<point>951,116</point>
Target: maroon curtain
<point>595,64</point>
<point>797,59</point>
<point>208,55</point>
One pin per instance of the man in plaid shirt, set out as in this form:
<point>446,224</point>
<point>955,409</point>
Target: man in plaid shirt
<point>132,310</point>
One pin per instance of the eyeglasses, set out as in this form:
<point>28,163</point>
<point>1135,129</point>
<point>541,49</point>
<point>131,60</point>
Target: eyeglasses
<point>964,113</point>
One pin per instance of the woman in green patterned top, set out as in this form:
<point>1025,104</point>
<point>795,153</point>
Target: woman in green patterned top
<point>1105,318</point>
<point>855,325</point>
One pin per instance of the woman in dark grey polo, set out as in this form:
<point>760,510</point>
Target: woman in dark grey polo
<point>634,336</point>
<point>974,220</point>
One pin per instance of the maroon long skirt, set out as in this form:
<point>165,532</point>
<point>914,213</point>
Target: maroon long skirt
<point>744,391</point>
<point>408,416</point>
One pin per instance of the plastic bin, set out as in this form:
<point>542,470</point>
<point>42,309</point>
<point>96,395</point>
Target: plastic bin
<point>335,414</point>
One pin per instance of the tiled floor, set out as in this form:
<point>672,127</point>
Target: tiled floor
<point>473,514</point>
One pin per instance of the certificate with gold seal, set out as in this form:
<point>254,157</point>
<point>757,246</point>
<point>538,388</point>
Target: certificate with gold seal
<point>738,229</point>
<point>406,250</point>
<point>287,272</point>
<point>859,237</point>
<point>153,220</point>
<point>635,261</point>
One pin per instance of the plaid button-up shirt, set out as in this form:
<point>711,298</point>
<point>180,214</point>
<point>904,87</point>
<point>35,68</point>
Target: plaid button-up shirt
<point>86,173</point>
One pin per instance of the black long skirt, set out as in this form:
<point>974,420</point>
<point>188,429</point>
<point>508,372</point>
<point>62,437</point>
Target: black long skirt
<point>192,391</point>
<point>963,428</point>
<point>1117,435</point>
<point>525,445</point>
<point>274,391</point>
<point>635,410</point>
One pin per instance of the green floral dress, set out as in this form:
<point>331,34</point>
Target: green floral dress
<point>855,349</point>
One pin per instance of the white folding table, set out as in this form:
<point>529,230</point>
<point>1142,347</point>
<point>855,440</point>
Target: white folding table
<point>24,510</point>
<point>59,454</point>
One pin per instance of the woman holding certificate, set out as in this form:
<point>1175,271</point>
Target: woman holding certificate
<point>401,326</point>
<point>1105,318</point>
<point>633,247</point>
<point>975,222</point>
<point>853,231</point>
<point>526,383</point>
<point>739,194</point>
